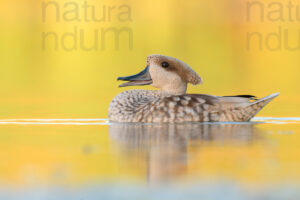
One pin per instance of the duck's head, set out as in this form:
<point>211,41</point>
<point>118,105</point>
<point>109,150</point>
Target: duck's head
<point>166,73</point>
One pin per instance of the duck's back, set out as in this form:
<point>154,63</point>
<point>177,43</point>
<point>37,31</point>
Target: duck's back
<point>152,106</point>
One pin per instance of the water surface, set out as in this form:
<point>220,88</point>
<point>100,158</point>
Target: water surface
<point>95,159</point>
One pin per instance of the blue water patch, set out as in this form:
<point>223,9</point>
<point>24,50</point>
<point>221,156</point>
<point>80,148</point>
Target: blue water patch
<point>122,191</point>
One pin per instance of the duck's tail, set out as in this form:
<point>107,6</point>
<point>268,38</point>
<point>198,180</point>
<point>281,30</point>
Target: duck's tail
<point>245,111</point>
<point>254,107</point>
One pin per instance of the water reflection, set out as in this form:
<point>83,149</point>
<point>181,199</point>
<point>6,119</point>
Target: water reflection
<point>166,149</point>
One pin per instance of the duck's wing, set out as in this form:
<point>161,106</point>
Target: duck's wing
<point>219,108</point>
<point>184,108</point>
<point>219,103</point>
<point>224,101</point>
<point>243,96</point>
<point>228,102</point>
<point>190,100</point>
<point>242,107</point>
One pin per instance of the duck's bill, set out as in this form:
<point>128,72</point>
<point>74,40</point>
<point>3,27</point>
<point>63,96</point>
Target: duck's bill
<point>142,78</point>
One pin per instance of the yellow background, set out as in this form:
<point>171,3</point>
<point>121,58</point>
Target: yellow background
<point>211,36</point>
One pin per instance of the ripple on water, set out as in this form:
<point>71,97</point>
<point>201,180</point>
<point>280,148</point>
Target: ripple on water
<point>102,121</point>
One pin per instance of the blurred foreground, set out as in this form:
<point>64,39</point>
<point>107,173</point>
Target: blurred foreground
<point>92,159</point>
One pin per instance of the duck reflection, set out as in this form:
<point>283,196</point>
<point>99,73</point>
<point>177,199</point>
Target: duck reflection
<point>166,148</point>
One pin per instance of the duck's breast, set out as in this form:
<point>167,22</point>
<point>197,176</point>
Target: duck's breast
<point>131,105</point>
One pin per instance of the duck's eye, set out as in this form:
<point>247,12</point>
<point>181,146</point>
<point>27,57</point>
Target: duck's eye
<point>165,64</point>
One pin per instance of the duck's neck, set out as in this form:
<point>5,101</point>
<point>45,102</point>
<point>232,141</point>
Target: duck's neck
<point>175,89</point>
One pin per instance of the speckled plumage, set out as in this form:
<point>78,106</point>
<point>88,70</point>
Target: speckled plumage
<point>155,106</point>
<point>171,103</point>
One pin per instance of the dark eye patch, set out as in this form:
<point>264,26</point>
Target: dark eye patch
<point>165,64</point>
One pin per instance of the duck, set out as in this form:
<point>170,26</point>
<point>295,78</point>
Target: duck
<point>171,104</point>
